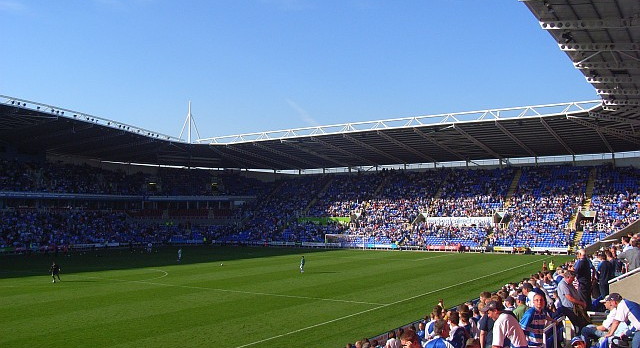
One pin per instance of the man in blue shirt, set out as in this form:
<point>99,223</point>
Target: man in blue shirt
<point>441,330</point>
<point>534,321</point>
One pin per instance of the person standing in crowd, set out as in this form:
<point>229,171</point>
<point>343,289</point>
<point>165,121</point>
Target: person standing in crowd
<point>582,268</point>
<point>626,311</point>
<point>485,325</point>
<point>409,339</point>
<point>605,274</point>
<point>458,335</point>
<point>615,261</point>
<point>441,331</point>
<point>631,256</point>
<point>55,271</point>
<point>506,329</point>
<point>534,321</point>
<point>392,341</point>
<point>569,299</point>
<point>521,306</point>
<point>595,332</point>
<point>527,290</point>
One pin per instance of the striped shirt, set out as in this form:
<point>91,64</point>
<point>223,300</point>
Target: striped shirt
<point>533,323</point>
<point>550,288</point>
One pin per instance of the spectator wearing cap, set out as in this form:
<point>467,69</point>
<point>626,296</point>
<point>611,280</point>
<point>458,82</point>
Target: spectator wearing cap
<point>626,311</point>
<point>578,342</point>
<point>506,329</point>
<point>521,306</point>
<point>593,332</point>
<point>509,304</point>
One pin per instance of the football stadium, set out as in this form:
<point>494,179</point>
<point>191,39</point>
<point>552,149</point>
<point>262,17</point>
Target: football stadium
<point>413,232</point>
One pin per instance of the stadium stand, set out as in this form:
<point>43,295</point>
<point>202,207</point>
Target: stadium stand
<point>411,209</point>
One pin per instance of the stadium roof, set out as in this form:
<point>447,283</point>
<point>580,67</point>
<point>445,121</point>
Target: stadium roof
<point>601,37</point>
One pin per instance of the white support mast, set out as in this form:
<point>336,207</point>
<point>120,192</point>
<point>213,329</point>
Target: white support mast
<point>187,123</point>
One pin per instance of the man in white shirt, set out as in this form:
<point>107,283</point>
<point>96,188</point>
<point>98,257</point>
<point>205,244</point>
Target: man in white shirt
<point>626,311</point>
<point>506,329</point>
<point>591,332</point>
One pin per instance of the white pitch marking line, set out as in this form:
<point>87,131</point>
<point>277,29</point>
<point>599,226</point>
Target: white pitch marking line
<point>233,291</point>
<point>434,257</point>
<point>124,280</point>
<point>382,306</point>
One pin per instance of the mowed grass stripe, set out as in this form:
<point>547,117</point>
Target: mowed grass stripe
<point>166,312</point>
<point>368,311</point>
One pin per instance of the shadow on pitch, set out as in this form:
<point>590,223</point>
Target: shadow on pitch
<point>18,266</point>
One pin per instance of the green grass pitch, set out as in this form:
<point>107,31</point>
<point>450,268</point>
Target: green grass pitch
<point>258,298</point>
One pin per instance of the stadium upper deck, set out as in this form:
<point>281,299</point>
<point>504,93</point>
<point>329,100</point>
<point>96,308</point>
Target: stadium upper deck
<point>600,37</point>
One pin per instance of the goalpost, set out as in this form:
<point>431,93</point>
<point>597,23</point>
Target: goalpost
<point>358,241</point>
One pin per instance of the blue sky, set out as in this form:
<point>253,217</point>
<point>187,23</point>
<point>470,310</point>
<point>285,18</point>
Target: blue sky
<point>258,65</point>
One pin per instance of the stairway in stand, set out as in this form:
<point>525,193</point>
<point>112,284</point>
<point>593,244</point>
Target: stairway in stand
<point>584,206</point>
<point>512,188</point>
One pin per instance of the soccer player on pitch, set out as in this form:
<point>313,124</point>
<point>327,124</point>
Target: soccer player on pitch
<point>55,271</point>
<point>302,265</point>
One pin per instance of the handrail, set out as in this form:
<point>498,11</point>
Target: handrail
<point>625,275</point>
<point>553,326</point>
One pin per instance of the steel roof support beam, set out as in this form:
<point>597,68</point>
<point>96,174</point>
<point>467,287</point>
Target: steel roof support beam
<point>617,102</point>
<point>313,153</point>
<point>591,24</point>
<point>286,155</point>
<point>606,79</point>
<point>238,160</point>
<point>608,65</point>
<point>599,47</point>
<point>16,121</point>
<point>620,91</point>
<point>477,142</point>
<point>604,141</point>
<point>138,153</point>
<point>86,141</point>
<point>371,148</point>
<point>624,135</point>
<point>608,117</point>
<point>64,132</point>
<point>102,150</point>
<point>254,155</point>
<point>344,152</point>
<point>515,139</point>
<point>438,144</point>
<point>406,147</point>
<point>557,137</point>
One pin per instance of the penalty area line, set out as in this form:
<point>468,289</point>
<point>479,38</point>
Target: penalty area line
<point>384,306</point>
